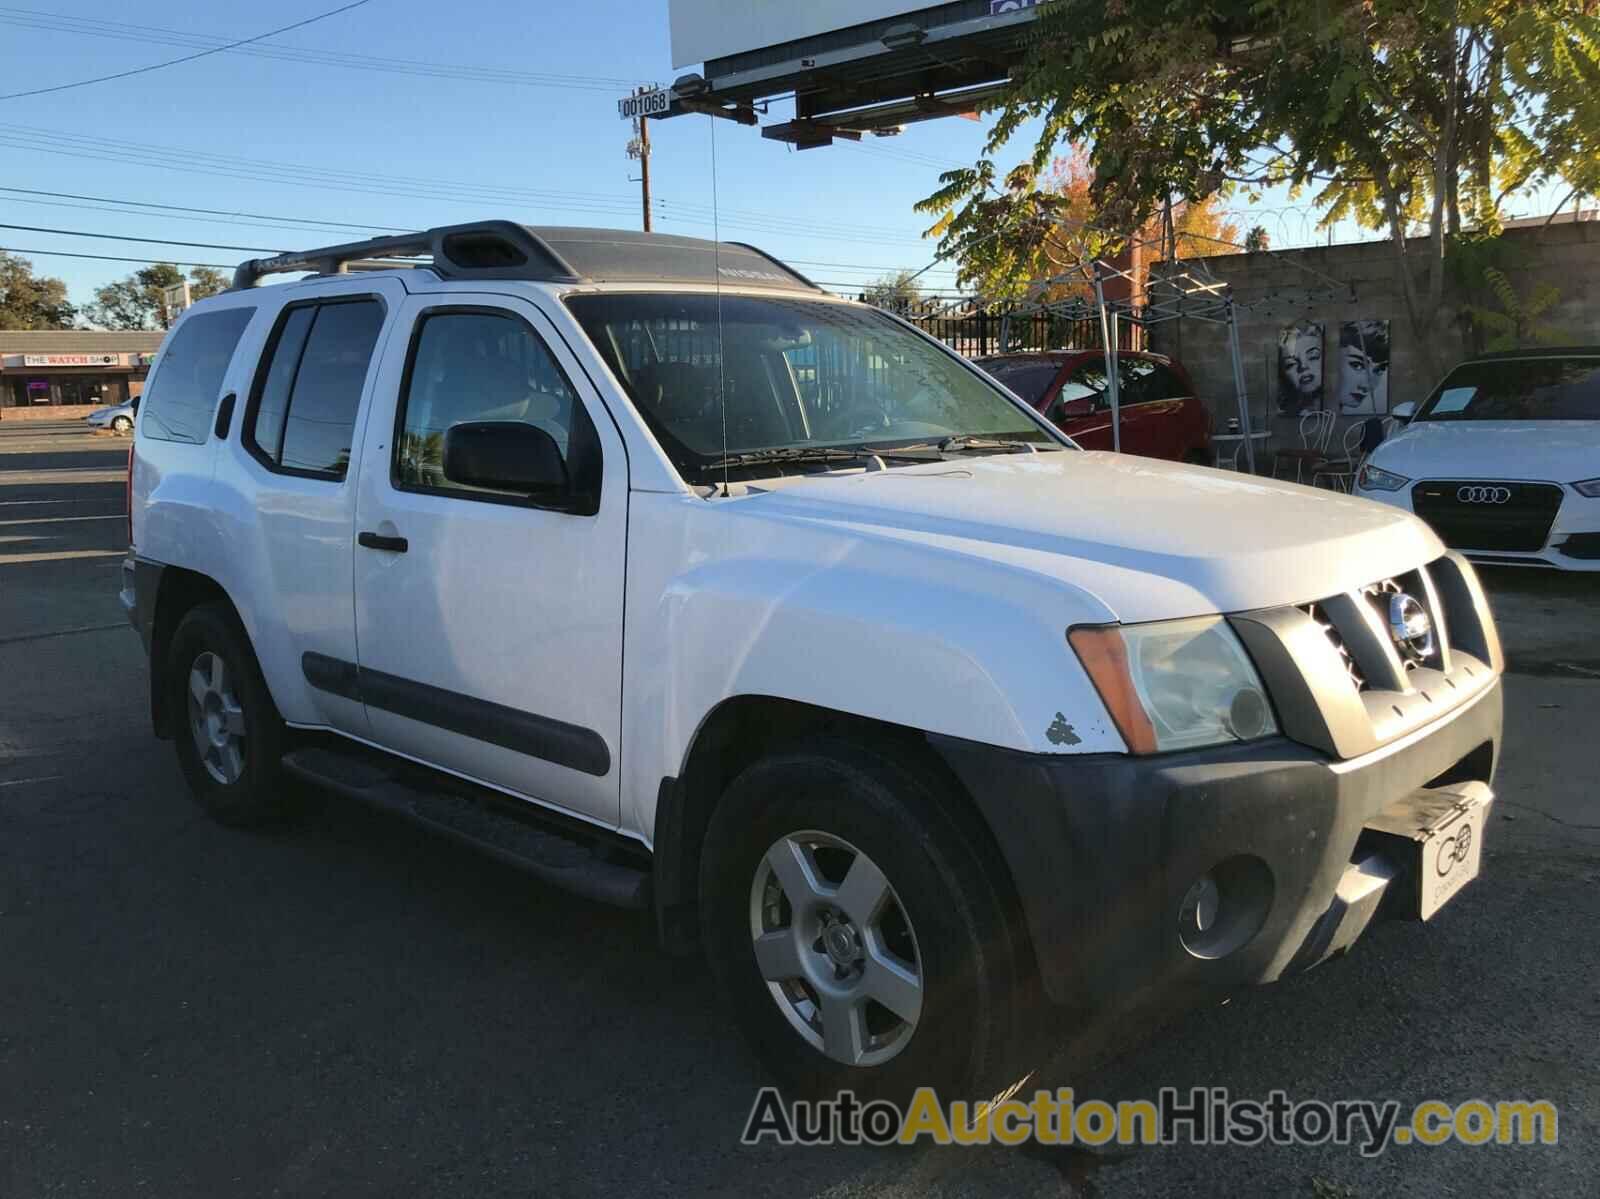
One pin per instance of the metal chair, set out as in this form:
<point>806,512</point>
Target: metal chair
<point>1341,471</point>
<point>1315,430</point>
<point>1228,457</point>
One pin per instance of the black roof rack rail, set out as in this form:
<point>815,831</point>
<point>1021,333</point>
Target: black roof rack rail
<point>542,254</point>
<point>479,250</point>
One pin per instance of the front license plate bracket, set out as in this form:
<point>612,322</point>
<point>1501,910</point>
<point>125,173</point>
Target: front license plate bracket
<point>1435,836</point>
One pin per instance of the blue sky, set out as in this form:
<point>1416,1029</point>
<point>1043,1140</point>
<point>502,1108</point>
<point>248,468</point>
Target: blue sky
<point>324,142</point>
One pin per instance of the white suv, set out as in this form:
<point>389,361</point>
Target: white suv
<point>642,563</point>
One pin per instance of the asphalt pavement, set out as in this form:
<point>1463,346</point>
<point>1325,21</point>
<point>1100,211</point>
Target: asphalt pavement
<point>346,1006</point>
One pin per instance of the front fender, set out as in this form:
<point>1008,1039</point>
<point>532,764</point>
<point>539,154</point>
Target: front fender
<point>924,638</point>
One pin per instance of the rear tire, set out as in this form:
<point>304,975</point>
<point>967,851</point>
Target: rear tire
<point>227,731</point>
<point>942,947</point>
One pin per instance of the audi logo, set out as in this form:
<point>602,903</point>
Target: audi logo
<point>1483,495</point>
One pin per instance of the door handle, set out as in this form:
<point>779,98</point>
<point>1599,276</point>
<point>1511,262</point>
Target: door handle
<point>377,541</point>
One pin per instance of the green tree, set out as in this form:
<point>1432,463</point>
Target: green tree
<point>29,301</point>
<point>1257,240</point>
<point>1400,114</point>
<point>896,292</point>
<point>139,301</point>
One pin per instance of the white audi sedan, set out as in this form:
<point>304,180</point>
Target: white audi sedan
<point>1503,459</point>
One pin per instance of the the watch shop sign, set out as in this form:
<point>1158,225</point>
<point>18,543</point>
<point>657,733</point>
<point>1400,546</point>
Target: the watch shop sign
<point>72,360</point>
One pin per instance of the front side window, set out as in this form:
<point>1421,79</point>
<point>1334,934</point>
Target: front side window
<point>180,399</point>
<point>1087,382</point>
<point>471,366</point>
<point>755,376</point>
<point>303,413</point>
<point>1519,389</point>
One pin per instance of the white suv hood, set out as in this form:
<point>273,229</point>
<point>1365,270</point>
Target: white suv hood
<point>1150,540</point>
<point>1557,451</point>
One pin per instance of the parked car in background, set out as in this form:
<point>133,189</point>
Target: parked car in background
<point>1503,459</point>
<point>118,418</point>
<point>1161,416</point>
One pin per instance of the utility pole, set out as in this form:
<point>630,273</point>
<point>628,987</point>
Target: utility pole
<point>639,148</point>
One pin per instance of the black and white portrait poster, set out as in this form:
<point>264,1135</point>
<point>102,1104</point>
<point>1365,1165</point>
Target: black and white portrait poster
<point>1300,368</point>
<point>1363,368</point>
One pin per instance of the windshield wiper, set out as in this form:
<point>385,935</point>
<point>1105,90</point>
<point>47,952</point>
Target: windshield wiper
<point>800,454</point>
<point>972,441</point>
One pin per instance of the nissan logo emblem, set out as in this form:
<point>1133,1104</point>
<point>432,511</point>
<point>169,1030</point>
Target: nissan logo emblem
<point>1410,627</point>
<point>1483,495</point>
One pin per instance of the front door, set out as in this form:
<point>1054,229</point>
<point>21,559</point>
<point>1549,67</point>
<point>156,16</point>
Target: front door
<point>489,626</point>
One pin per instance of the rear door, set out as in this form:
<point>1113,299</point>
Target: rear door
<point>489,625</point>
<point>1137,398</point>
<point>289,473</point>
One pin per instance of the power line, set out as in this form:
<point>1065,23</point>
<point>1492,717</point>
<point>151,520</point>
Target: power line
<point>221,266</point>
<point>33,19</point>
<point>135,207</point>
<point>172,62</point>
<point>224,266</point>
<point>235,167</point>
<point>217,215</point>
<point>155,241</point>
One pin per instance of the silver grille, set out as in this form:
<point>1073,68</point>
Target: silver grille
<point>1336,639</point>
<point>1377,596</point>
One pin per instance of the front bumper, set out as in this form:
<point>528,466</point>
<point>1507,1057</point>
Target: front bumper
<point>1572,543</point>
<point>1103,849</point>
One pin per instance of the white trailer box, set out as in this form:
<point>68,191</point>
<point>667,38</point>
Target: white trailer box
<point>706,29</point>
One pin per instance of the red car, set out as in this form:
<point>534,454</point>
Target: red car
<point>1161,416</point>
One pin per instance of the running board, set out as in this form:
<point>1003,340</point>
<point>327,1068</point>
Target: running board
<point>480,824</point>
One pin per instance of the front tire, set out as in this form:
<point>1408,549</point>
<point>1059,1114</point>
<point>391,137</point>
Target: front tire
<point>227,731</point>
<point>858,935</point>
<point>122,426</point>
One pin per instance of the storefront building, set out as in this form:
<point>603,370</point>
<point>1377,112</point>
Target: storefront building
<point>62,374</point>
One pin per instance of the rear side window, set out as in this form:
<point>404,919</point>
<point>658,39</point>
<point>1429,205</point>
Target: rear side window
<point>178,403</point>
<point>1164,385</point>
<point>303,412</point>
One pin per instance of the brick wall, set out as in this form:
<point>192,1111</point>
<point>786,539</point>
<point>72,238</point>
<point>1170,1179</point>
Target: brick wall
<point>1272,293</point>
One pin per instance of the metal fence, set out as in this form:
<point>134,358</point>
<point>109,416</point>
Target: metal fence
<point>976,331</point>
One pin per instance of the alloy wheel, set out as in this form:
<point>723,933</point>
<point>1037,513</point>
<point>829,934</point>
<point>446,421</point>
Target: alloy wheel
<point>836,948</point>
<point>216,719</point>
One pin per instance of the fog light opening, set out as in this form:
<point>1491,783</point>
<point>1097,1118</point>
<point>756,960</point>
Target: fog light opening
<point>1199,912</point>
<point>1225,907</point>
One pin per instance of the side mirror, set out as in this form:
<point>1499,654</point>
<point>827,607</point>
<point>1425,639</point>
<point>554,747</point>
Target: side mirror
<point>134,403</point>
<point>506,455</point>
<point>1404,411</point>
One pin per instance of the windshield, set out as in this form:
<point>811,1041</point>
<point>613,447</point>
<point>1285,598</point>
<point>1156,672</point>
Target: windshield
<point>797,375</point>
<point>1519,389</point>
<point>1030,378</point>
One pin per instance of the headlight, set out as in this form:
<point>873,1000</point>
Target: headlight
<point>1177,684</point>
<point>1589,487</point>
<point>1375,478</point>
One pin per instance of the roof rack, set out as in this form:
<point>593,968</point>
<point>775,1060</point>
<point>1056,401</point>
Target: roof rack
<point>507,250</point>
<point>480,250</point>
